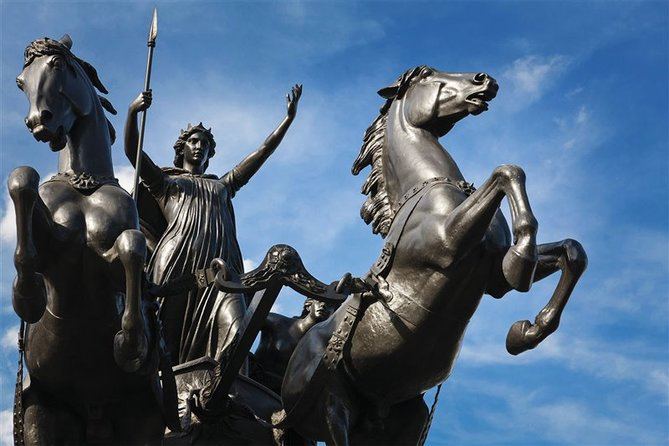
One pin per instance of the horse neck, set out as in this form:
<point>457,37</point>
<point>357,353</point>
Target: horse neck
<point>88,148</point>
<point>412,155</point>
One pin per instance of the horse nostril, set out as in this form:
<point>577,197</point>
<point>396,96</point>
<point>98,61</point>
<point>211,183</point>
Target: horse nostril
<point>480,78</point>
<point>45,116</point>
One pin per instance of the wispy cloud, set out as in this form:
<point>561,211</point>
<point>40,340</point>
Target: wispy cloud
<point>249,264</point>
<point>529,77</point>
<point>9,338</point>
<point>6,428</point>
<point>8,222</point>
<point>515,415</point>
<point>594,357</point>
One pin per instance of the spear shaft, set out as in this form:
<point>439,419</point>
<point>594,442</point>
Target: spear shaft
<point>151,43</point>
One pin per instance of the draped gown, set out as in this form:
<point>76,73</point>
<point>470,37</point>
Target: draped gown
<point>200,227</point>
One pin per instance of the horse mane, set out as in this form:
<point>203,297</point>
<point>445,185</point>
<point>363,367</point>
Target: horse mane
<point>47,46</point>
<point>377,208</point>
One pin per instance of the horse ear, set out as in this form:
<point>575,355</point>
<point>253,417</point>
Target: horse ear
<point>389,92</point>
<point>66,40</point>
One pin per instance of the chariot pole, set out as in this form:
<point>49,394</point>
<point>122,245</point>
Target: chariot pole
<point>151,43</point>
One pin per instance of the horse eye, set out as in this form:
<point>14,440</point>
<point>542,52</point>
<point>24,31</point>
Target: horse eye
<point>19,83</point>
<point>56,63</point>
<point>426,72</point>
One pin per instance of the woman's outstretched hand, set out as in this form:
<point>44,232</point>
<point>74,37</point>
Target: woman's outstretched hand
<point>292,99</point>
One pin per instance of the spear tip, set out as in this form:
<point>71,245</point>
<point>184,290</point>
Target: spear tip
<point>153,32</point>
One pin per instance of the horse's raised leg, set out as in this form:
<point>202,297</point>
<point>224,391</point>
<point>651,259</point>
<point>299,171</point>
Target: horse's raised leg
<point>468,223</point>
<point>28,292</point>
<point>131,344</point>
<point>567,256</point>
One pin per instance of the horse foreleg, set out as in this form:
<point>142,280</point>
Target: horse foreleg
<point>468,223</point>
<point>28,291</point>
<point>567,256</point>
<point>338,418</point>
<point>131,344</point>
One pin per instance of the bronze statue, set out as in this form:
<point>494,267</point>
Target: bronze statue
<point>359,377</point>
<point>92,344</point>
<point>198,227</point>
<point>100,370</point>
<point>279,336</point>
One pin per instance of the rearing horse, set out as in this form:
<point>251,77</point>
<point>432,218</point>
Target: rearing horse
<point>447,244</point>
<point>91,342</point>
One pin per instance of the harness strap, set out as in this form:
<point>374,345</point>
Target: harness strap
<point>18,392</point>
<point>405,208</point>
<point>327,365</point>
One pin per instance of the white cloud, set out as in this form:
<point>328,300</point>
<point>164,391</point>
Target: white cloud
<point>6,428</point>
<point>530,77</point>
<point>593,357</point>
<point>515,416</point>
<point>562,420</point>
<point>125,176</point>
<point>9,338</point>
<point>249,264</point>
<point>8,222</point>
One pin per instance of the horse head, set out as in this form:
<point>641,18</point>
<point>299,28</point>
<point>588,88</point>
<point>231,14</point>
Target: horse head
<point>60,88</point>
<point>421,106</point>
<point>436,100</point>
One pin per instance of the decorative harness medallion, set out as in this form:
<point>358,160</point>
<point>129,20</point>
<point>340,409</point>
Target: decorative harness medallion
<point>84,181</point>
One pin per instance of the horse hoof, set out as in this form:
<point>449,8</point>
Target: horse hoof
<point>516,341</point>
<point>519,265</point>
<point>130,356</point>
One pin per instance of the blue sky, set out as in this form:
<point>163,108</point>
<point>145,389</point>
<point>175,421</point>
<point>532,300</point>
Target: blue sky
<point>582,108</point>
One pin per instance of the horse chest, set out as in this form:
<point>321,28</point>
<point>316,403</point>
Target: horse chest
<point>88,221</point>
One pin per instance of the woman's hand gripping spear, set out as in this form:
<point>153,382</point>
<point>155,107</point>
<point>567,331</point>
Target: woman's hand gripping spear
<point>151,43</point>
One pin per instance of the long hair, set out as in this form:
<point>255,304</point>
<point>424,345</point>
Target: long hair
<point>377,210</point>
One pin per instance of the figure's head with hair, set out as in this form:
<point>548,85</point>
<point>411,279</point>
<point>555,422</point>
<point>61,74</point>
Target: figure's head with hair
<point>195,144</point>
<point>319,311</point>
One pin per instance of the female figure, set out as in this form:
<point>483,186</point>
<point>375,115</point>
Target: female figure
<point>199,227</point>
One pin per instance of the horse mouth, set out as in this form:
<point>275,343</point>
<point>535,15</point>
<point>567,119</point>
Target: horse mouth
<point>480,99</point>
<point>56,140</point>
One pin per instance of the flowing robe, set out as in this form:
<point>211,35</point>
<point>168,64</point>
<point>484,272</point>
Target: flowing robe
<point>200,227</point>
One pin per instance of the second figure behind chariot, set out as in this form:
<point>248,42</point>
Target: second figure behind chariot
<point>191,216</point>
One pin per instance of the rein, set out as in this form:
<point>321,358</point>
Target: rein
<point>18,392</point>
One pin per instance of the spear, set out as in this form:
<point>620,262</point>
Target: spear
<point>151,43</point>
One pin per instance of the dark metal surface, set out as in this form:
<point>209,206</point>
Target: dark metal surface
<point>92,343</point>
<point>351,370</point>
<point>446,247</point>
<point>279,336</point>
<point>199,322</point>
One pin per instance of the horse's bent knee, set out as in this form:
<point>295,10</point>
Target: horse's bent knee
<point>131,246</point>
<point>22,179</point>
<point>576,256</point>
<point>29,297</point>
<point>510,172</point>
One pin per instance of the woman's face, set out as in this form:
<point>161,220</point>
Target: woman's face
<point>196,149</point>
<point>319,310</point>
